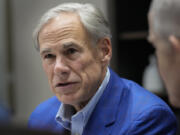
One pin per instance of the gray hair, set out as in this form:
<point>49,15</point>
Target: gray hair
<point>90,16</point>
<point>166,17</point>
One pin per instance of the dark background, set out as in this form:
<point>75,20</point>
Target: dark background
<point>130,30</point>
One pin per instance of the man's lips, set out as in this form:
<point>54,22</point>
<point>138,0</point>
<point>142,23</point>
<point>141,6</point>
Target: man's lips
<point>66,88</point>
<point>65,84</point>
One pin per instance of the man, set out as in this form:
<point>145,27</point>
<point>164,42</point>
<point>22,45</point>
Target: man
<point>75,47</point>
<point>164,33</point>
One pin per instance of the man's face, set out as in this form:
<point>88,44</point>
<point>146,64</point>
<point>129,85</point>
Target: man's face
<point>168,62</point>
<point>161,49</point>
<point>74,67</point>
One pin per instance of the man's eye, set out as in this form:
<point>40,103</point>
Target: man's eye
<point>71,51</point>
<point>49,56</point>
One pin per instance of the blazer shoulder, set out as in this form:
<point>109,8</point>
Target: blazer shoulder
<point>43,117</point>
<point>142,111</point>
<point>46,110</point>
<point>144,100</point>
<point>134,94</point>
<point>50,103</point>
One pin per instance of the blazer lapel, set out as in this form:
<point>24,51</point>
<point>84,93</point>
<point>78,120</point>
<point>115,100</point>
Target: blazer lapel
<point>104,115</point>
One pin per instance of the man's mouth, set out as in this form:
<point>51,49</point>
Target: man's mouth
<point>66,88</point>
<point>65,84</point>
<point>62,84</point>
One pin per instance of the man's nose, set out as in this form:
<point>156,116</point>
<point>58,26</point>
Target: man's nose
<point>61,68</point>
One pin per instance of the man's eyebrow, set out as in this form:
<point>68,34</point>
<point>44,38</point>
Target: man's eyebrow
<point>45,50</point>
<point>70,44</point>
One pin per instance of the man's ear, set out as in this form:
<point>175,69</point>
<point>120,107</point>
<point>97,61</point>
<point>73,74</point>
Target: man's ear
<point>175,42</point>
<point>105,48</point>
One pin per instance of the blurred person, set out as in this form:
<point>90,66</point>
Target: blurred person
<point>164,34</point>
<point>74,42</point>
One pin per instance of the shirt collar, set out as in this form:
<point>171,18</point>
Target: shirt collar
<point>66,112</point>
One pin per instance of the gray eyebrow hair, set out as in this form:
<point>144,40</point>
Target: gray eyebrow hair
<point>45,50</point>
<point>70,44</point>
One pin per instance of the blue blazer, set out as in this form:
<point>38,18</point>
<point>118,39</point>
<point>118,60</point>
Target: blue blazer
<point>125,108</point>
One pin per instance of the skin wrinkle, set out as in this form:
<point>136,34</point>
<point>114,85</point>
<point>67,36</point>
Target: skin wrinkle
<point>65,46</point>
<point>57,35</point>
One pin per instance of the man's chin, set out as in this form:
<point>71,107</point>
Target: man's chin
<point>67,99</point>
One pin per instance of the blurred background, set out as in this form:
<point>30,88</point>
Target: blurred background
<point>23,84</point>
